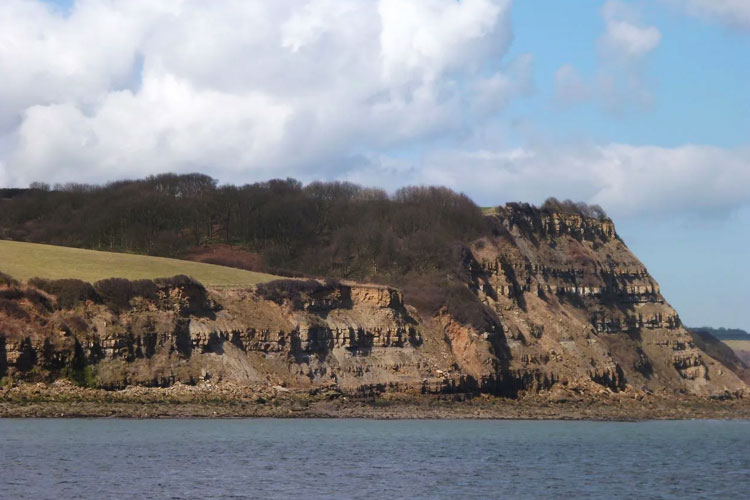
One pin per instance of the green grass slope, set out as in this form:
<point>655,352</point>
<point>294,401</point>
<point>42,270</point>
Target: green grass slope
<point>28,260</point>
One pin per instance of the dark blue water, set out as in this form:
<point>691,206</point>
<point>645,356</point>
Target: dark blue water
<point>372,459</point>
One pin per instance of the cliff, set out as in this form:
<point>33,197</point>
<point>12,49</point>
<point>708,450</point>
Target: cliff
<point>577,306</point>
<point>563,304</point>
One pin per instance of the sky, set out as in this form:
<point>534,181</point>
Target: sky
<point>640,106</point>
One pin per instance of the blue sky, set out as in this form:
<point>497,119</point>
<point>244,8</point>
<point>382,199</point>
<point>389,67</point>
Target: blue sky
<point>698,75</point>
<point>640,106</point>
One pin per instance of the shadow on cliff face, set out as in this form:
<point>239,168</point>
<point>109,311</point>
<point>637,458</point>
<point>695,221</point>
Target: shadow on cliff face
<point>510,274</point>
<point>612,379</point>
<point>614,301</point>
<point>642,364</point>
<point>215,344</point>
<point>523,217</point>
<point>194,297</point>
<point>3,357</point>
<point>508,384</point>
<point>27,358</point>
<point>52,358</point>
<point>183,342</point>
<point>415,339</point>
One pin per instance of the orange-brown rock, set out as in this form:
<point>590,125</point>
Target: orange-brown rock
<point>570,309</point>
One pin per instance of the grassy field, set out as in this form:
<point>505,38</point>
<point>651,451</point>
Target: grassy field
<point>28,260</point>
<point>741,348</point>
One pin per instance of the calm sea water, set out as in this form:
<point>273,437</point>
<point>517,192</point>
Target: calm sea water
<point>373,459</point>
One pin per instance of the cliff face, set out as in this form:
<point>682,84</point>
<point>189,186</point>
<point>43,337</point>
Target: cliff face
<point>567,305</point>
<point>577,306</point>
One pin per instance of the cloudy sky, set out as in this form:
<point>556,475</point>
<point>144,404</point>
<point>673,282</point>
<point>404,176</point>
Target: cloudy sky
<point>640,106</point>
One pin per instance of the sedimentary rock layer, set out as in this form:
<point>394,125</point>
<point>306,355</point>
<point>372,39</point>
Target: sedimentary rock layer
<point>566,304</point>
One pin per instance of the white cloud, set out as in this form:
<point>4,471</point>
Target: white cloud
<point>619,84</point>
<point>570,87</point>
<point>624,179</point>
<point>241,89</point>
<point>46,59</point>
<point>429,38</point>
<point>247,90</point>
<point>493,93</point>
<point>734,13</point>
<point>167,122</point>
<point>625,37</point>
<point>4,180</point>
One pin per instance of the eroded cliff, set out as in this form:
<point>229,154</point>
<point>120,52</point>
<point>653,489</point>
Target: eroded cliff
<point>577,306</point>
<point>564,303</point>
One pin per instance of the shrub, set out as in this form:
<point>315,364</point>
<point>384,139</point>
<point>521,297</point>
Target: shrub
<point>13,309</point>
<point>466,308</point>
<point>294,291</point>
<point>7,280</point>
<point>146,289</point>
<point>38,299</point>
<point>76,324</point>
<point>432,296</point>
<point>115,293</point>
<point>69,292</point>
<point>83,377</point>
<point>13,293</point>
<point>576,208</point>
<point>176,281</point>
<point>427,296</point>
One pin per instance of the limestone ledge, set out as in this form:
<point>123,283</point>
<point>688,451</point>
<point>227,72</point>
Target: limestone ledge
<point>525,217</point>
<point>375,295</point>
<point>633,286</point>
<point>690,365</point>
<point>604,323</point>
<point>191,335</point>
<point>345,295</point>
<point>307,339</point>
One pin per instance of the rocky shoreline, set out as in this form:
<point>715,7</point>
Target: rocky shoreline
<point>64,400</point>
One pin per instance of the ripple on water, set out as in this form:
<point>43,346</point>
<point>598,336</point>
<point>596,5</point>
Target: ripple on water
<point>268,458</point>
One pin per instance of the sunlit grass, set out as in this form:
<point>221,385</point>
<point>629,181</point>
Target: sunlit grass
<point>28,260</point>
<point>738,345</point>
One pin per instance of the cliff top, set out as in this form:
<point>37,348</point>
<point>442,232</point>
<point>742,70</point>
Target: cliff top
<point>28,260</point>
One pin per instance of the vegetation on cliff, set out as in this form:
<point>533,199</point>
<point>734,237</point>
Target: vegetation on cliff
<point>333,229</point>
<point>415,239</point>
<point>517,299</point>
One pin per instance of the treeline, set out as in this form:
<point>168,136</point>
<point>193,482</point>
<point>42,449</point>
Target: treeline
<point>723,333</point>
<point>415,239</point>
<point>334,229</point>
<point>115,293</point>
<point>573,208</point>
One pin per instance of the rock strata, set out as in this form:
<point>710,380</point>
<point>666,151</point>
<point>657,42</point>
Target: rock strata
<point>567,307</point>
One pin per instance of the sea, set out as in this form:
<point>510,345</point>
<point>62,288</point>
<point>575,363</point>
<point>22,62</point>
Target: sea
<point>351,459</point>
